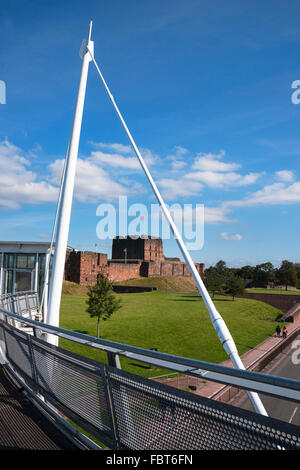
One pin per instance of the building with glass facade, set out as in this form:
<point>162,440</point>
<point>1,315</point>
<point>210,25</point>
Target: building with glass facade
<point>23,266</point>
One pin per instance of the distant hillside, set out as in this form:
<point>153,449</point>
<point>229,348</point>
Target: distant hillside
<point>164,283</point>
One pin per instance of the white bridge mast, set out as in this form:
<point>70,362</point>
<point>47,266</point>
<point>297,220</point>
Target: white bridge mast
<point>67,193</point>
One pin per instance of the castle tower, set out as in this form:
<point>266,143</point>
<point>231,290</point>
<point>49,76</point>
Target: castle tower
<point>137,248</point>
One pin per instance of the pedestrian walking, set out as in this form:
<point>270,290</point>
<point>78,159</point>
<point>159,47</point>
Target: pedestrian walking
<point>284,332</point>
<point>278,330</point>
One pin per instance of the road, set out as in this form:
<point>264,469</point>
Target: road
<point>284,410</point>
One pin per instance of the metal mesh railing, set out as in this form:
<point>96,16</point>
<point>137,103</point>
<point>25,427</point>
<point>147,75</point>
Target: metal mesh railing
<point>76,386</point>
<point>18,351</point>
<point>158,417</point>
<point>125,411</point>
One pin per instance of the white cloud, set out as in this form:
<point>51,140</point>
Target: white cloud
<point>178,165</point>
<point>115,160</point>
<point>18,185</point>
<point>171,189</point>
<point>210,171</point>
<point>179,152</point>
<point>212,215</point>
<point>119,148</point>
<point>177,158</point>
<point>211,162</point>
<point>216,215</point>
<point>92,183</point>
<point>277,193</point>
<point>222,180</point>
<point>285,176</point>
<point>121,156</point>
<point>227,237</point>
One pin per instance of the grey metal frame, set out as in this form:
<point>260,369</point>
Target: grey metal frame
<point>129,397</point>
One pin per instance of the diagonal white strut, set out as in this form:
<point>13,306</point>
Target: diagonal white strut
<point>217,321</point>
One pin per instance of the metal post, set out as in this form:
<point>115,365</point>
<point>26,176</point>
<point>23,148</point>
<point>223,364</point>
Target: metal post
<point>1,273</point>
<point>67,194</point>
<point>44,300</point>
<point>36,274</point>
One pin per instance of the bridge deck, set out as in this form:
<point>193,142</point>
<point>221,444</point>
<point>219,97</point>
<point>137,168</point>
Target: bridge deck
<point>22,425</point>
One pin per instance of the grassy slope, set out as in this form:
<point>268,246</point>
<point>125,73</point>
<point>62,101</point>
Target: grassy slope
<point>174,323</point>
<point>259,290</point>
<point>164,283</point>
<point>72,288</point>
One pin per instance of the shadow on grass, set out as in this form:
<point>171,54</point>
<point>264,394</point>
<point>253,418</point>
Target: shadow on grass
<point>83,332</point>
<point>194,298</point>
<point>141,366</point>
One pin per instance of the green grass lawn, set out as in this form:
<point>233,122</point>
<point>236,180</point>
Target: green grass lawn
<point>174,323</point>
<point>258,290</point>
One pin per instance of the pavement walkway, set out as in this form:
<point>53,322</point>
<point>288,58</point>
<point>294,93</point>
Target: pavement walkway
<point>250,359</point>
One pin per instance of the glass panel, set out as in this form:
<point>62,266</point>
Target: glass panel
<point>31,261</point>
<point>9,275</point>
<point>9,261</point>
<point>26,261</point>
<point>22,281</point>
<point>41,280</point>
<point>42,262</point>
<point>21,261</point>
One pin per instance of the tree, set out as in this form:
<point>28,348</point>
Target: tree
<point>264,273</point>
<point>213,281</point>
<point>246,272</point>
<point>287,274</point>
<point>102,302</point>
<point>221,267</point>
<point>234,286</point>
<point>297,267</point>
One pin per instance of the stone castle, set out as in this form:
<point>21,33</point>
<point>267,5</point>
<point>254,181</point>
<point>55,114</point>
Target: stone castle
<point>132,257</point>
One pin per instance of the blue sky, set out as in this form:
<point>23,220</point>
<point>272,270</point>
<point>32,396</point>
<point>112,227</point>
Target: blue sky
<point>205,88</point>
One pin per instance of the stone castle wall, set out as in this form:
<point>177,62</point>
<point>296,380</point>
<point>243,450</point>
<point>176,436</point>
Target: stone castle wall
<point>144,258</point>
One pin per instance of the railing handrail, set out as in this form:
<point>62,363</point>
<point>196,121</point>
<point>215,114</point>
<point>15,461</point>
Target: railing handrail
<point>248,380</point>
<point>17,294</point>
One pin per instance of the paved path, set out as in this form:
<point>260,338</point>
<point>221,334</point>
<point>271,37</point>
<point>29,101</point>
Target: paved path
<point>211,389</point>
<point>22,426</point>
<point>284,410</point>
<point>250,358</point>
